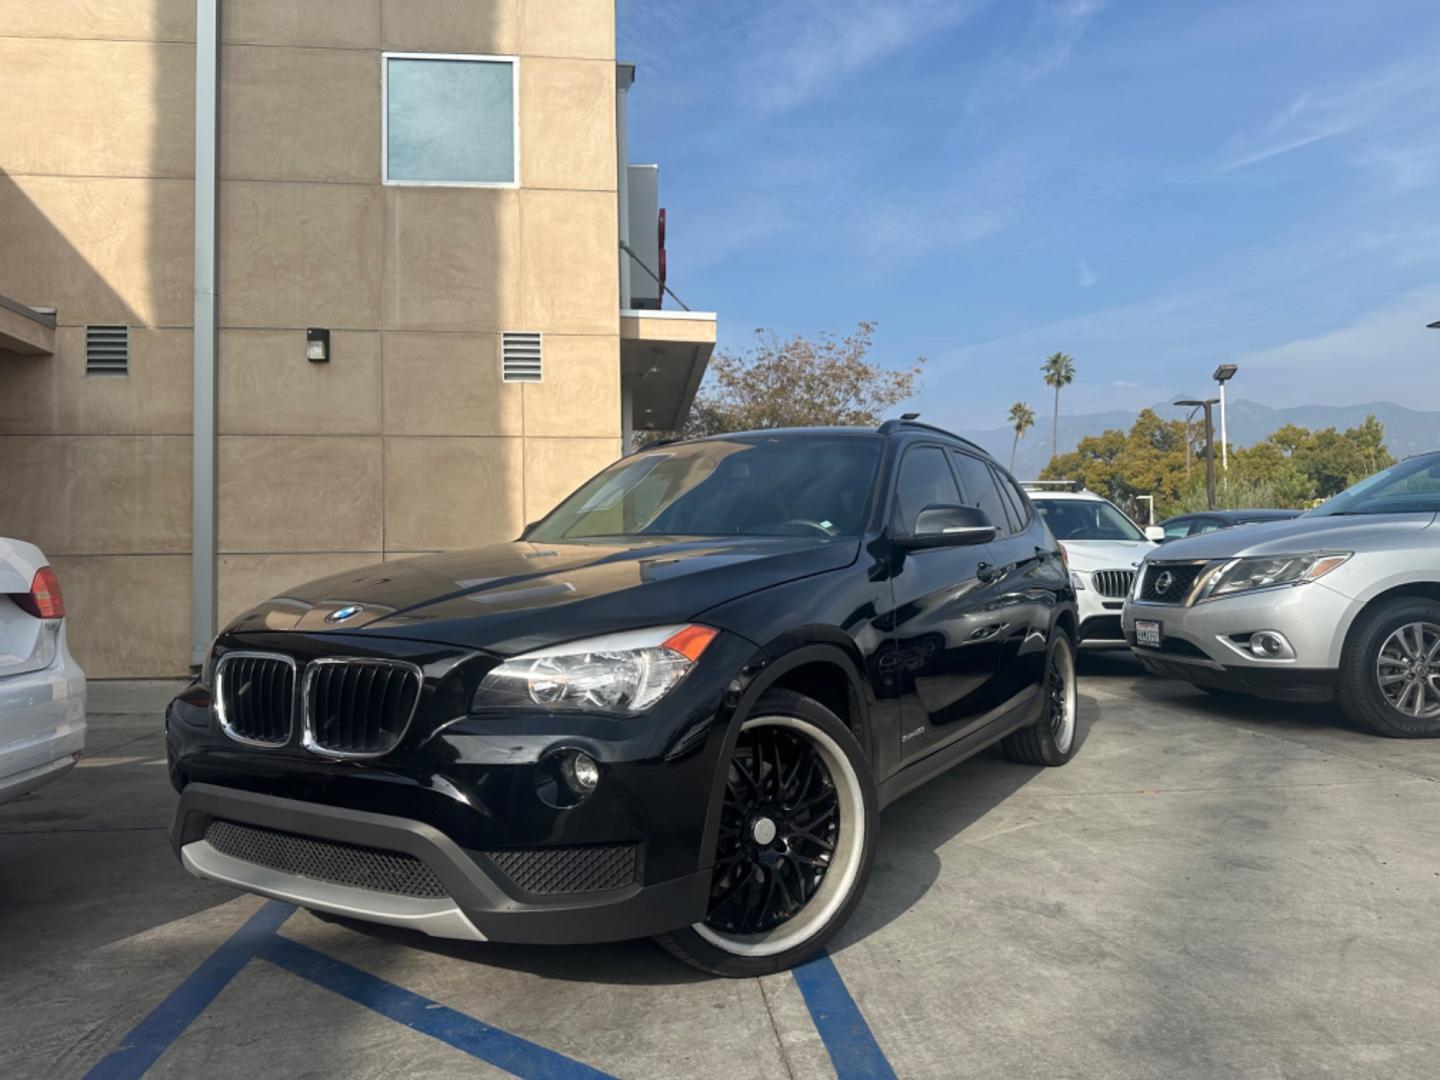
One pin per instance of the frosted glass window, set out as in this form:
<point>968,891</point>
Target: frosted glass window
<point>449,121</point>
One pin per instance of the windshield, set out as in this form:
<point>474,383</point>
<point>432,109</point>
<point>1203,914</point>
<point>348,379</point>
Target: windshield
<point>1085,519</point>
<point>1410,487</point>
<point>725,487</point>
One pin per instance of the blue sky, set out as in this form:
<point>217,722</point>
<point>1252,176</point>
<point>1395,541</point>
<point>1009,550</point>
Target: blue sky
<point>1152,187</point>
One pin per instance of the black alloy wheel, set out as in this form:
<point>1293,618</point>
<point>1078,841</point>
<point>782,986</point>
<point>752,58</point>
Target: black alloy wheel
<point>779,826</point>
<point>1052,738</point>
<point>795,843</point>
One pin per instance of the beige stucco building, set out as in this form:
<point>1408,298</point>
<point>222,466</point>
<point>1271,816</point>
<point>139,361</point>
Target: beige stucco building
<point>191,190</point>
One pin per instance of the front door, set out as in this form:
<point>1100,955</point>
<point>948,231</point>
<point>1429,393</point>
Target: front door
<point>946,631</point>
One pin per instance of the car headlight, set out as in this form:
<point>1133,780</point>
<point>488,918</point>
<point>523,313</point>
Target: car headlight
<point>1246,575</point>
<point>1076,581</point>
<point>623,673</point>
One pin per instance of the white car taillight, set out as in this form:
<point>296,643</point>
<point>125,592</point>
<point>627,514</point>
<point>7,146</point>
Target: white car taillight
<point>43,600</point>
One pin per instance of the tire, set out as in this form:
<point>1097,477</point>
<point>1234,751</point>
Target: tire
<point>773,831</point>
<point>1379,645</point>
<point>1051,739</point>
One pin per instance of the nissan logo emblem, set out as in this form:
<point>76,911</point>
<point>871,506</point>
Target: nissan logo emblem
<point>1164,581</point>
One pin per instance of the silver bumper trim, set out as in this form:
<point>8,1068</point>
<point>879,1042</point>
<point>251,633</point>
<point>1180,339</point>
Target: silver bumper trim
<point>438,918</point>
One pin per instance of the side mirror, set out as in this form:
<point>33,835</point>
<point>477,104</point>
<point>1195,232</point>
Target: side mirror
<point>951,526</point>
<point>1156,533</point>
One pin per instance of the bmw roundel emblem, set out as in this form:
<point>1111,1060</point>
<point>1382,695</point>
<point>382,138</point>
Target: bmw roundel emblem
<point>349,611</point>
<point>1162,583</point>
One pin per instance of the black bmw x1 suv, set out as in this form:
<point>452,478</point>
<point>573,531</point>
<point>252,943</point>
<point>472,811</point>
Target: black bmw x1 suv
<point>674,707</point>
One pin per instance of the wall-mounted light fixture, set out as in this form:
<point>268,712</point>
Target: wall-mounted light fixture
<point>317,345</point>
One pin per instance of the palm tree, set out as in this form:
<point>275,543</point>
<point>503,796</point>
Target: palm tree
<point>1022,419</point>
<point>1059,371</point>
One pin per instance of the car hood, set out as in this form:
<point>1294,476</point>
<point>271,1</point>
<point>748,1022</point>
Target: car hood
<point>1090,555</point>
<point>1341,532</point>
<point>508,598</point>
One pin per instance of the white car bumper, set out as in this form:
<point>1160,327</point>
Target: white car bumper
<point>1100,611</point>
<point>42,725</point>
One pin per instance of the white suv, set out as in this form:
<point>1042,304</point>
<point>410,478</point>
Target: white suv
<point>1102,546</point>
<point>42,689</point>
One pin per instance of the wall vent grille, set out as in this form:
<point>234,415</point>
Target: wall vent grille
<point>107,350</point>
<point>520,356</point>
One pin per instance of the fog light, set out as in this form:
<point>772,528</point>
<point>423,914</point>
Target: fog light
<point>582,773</point>
<point>566,777</point>
<point>1269,645</point>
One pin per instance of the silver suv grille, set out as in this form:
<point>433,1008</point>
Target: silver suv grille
<point>1113,583</point>
<point>1169,583</point>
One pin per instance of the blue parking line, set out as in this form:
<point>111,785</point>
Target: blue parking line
<point>499,1048</point>
<point>152,1036</point>
<point>847,1037</point>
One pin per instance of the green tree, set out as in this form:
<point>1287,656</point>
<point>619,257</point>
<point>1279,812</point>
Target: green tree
<point>1059,371</point>
<point>1292,468</point>
<point>797,382</point>
<point>1022,419</point>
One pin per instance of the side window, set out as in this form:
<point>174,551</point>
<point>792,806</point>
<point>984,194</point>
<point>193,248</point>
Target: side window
<point>1177,529</point>
<point>1013,499</point>
<point>924,480</point>
<point>978,489</point>
<point>1205,525</point>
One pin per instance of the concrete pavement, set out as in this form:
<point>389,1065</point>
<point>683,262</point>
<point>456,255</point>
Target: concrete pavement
<point>1212,888</point>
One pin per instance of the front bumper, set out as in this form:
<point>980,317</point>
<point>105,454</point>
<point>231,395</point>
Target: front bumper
<point>466,796</point>
<point>477,902</point>
<point>1099,615</point>
<point>1200,642</point>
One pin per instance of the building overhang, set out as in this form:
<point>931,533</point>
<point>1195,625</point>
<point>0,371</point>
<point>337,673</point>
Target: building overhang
<point>663,355</point>
<point>24,330</point>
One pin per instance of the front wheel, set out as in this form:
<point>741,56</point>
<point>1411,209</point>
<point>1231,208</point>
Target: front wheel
<point>1051,739</point>
<point>1389,677</point>
<point>796,842</point>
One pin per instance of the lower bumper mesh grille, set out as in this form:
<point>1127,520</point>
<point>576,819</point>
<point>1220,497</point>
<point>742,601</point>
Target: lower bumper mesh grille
<point>326,860</point>
<point>568,870</point>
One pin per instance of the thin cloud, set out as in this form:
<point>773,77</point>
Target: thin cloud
<point>1056,29</point>
<point>805,50</point>
<point>1378,102</point>
<point>1084,276</point>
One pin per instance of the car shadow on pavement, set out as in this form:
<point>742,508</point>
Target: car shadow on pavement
<point>907,864</point>
<point>1274,716</point>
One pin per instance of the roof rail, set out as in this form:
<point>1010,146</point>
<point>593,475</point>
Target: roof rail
<point>1053,485</point>
<point>906,422</point>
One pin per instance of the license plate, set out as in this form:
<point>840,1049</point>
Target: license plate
<point>1148,633</point>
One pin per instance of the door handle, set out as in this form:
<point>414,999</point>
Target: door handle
<point>985,572</point>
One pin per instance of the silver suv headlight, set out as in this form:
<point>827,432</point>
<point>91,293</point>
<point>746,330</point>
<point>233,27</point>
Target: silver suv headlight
<point>623,673</point>
<point>1249,574</point>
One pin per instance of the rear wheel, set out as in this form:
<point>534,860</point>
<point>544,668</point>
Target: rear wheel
<point>1051,739</point>
<point>796,842</point>
<point>1389,676</point>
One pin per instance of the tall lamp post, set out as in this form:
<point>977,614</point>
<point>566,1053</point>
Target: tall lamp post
<point>1209,444</point>
<point>1223,374</point>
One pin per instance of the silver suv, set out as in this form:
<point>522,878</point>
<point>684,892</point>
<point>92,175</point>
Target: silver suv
<point>1342,603</point>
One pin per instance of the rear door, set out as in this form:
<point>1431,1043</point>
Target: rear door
<point>944,649</point>
<point>1021,599</point>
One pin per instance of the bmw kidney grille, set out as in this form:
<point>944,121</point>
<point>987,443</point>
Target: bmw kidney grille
<point>349,707</point>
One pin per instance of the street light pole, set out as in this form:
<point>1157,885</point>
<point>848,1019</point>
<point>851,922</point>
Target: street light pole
<point>1223,374</point>
<point>1209,446</point>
